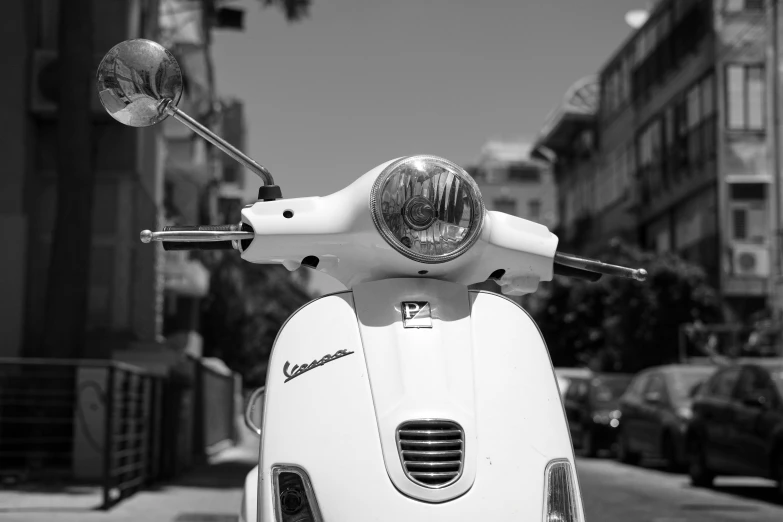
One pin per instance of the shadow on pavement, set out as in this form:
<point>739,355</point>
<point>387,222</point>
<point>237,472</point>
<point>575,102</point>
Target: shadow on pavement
<point>224,471</point>
<point>764,493</point>
<point>52,509</point>
<point>53,488</point>
<point>221,475</point>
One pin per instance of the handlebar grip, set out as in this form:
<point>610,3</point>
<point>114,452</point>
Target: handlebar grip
<point>576,273</point>
<point>200,228</point>
<point>198,245</point>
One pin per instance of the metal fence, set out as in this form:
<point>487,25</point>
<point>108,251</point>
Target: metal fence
<point>109,423</point>
<point>83,421</point>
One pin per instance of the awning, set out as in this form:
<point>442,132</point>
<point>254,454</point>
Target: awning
<point>578,109</point>
<point>185,277</point>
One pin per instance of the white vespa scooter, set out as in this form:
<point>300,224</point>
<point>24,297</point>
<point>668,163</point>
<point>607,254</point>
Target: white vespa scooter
<point>407,397</point>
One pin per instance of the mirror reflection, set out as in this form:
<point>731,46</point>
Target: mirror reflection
<point>134,77</point>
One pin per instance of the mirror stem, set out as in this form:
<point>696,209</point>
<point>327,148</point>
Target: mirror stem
<point>218,142</point>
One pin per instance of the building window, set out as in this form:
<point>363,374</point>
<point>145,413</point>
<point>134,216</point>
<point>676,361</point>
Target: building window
<point>749,222</point>
<point>231,172</point>
<point>748,213</point>
<point>708,96</point>
<point>650,141</point>
<point>663,43</point>
<point>534,209</point>
<point>694,106</point>
<point>744,5</point>
<point>523,174</point>
<point>745,97</point>
<point>230,209</point>
<point>506,205</point>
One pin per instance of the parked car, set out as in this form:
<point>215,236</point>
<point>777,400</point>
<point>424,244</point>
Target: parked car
<point>565,375</point>
<point>737,424</point>
<point>655,411</point>
<point>591,409</point>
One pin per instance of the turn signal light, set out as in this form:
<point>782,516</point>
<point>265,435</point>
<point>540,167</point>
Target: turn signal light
<point>294,496</point>
<point>561,503</point>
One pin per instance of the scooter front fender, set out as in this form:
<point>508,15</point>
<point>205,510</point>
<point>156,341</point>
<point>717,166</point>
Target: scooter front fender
<point>345,372</point>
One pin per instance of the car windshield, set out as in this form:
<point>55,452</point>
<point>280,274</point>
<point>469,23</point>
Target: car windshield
<point>684,382</point>
<point>609,389</point>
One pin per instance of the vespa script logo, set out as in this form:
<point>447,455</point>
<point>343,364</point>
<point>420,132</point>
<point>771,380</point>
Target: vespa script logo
<point>416,314</point>
<point>298,370</point>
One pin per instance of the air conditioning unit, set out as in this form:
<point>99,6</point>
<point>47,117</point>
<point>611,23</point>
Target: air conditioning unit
<point>750,260</point>
<point>44,83</point>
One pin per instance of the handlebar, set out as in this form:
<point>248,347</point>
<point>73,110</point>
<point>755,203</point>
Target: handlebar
<point>592,269</point>
<point>209,237</point>
<point>227,237</point>
<point>576,273</point>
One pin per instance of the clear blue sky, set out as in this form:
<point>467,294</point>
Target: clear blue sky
<point>360,82</point>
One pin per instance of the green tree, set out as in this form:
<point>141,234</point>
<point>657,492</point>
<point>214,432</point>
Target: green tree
<point>571,320</point>
<point>624,325</point>
<point>246,306</point>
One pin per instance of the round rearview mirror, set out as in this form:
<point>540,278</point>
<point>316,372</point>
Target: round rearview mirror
<point>135,78</point>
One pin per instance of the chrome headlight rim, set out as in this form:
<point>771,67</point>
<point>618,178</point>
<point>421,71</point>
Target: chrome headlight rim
<point>477,206</point>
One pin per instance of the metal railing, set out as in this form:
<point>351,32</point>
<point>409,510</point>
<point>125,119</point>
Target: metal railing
<point>81,420</point>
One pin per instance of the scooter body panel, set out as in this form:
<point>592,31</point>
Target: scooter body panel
<point>482,364</point>
<point>338,229</point>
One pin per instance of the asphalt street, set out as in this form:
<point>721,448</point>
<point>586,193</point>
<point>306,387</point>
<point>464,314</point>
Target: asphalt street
<point>615,492</point>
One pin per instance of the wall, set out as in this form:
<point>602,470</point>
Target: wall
<point>14,138</point>
<point>745,157</point>
<point>125,285</point>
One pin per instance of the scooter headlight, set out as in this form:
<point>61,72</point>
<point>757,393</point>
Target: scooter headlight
<point>427,208</point>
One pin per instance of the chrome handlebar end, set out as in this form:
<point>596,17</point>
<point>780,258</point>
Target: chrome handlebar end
<point>599,267</point>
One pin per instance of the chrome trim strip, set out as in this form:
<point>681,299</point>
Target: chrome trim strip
<point>444,433</point>
<point>426,443</point>
<point>414,476</point>
<point>442,464</point>
<point>433,474</point>
<point>447,453</point>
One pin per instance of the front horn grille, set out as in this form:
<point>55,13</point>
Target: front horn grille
<point>432,451</point>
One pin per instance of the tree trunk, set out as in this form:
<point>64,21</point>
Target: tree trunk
<point>69,269</point>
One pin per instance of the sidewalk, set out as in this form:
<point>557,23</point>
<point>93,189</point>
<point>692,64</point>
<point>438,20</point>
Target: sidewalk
<point>211,493</point>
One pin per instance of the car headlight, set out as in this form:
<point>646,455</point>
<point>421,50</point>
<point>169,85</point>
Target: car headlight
<point>684,413</point>
<point>611,418</point>
<point>427,208</point>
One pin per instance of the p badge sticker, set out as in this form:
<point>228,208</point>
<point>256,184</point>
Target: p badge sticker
<point>416,314</point>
